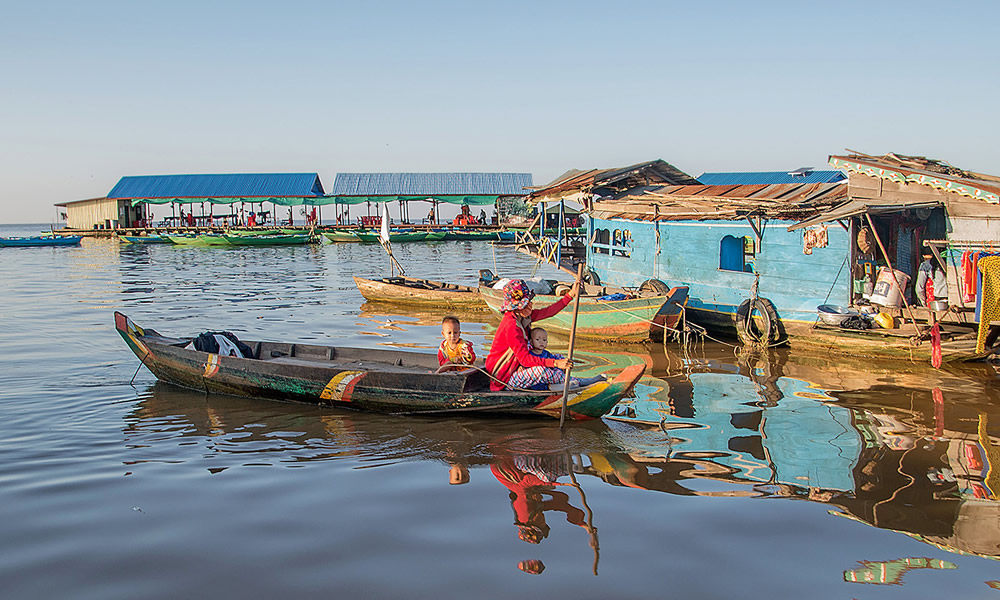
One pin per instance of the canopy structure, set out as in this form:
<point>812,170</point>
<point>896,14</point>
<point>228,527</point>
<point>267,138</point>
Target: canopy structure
<point>285,189</point>
<point>452,188</point>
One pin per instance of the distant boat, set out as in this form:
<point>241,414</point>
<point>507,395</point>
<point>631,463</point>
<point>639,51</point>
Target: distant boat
<point>198,240</point>
<point>341,236</point>
<point>398,237</point>
<point>269,240</point>
<point>425,292</point>
<point>144,239</point>
<point>41,240</point>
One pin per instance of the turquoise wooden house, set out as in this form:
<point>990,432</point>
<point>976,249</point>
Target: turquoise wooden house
<point>760,259</point>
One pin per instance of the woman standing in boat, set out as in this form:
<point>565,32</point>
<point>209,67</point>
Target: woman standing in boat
<point>510,361</point>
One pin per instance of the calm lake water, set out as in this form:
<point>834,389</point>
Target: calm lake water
<point>785,476</point>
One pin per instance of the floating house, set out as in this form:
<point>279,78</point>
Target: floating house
<point>101,213</point>
<point>463,189</point>
<point>278,189</point>
<point>759,259</point>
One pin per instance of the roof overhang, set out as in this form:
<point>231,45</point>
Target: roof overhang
<point>853,208</point>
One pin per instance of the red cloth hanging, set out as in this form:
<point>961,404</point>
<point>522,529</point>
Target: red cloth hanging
<point>936,346</point>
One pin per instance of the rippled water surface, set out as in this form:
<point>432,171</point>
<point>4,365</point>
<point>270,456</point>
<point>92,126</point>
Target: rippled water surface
<point>725,476</point>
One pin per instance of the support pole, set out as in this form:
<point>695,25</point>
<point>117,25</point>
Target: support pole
<point>572,341</point>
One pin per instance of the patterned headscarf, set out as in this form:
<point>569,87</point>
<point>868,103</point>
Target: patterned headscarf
<point>516,295</point>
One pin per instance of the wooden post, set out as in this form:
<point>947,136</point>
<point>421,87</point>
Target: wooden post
<point>572,340</point>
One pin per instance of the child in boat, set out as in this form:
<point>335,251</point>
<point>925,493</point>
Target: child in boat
<point>538,346</point>
<point>453,349</point>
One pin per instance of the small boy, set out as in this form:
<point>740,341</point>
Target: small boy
<point>453,349</point>
<point>539,340</point>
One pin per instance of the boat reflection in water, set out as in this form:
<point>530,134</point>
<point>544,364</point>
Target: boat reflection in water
<point>903,450</point>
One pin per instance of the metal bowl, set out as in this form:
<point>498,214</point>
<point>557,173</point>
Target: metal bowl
<point>832,314</point>
<point>938,305</point>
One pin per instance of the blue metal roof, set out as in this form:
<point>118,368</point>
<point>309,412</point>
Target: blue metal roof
<point>241,185</point>
<point>431,184</point>
<point>770,178</point>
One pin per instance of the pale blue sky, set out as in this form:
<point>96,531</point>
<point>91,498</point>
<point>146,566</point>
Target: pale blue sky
<point>94,90</point>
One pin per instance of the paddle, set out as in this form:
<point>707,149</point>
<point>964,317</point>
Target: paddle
<point>572,340</point>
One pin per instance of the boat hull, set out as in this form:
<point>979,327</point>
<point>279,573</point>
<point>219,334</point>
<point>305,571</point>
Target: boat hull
<point>387,381</point>
<point>30,242</point>
<point>632,320</point>
<point>422,292</point>
<point>269,240</point>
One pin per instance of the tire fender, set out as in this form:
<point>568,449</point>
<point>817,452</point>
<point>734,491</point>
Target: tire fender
<point>749,333</point>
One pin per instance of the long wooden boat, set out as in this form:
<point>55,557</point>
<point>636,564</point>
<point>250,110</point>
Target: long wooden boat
<point>341,236</point>
<point>204,239</point>
<point>370,237</point>
<point>144,239</point>
<point>389,381</point>
<point>269,240</point>
<point>424,292</point>
<point>41,240</point>
<point>636,319</point>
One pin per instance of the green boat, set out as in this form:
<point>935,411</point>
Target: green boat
<point>641,317</point>
<point>204,239</point>
<point>253,232</point>
<point>269,240</point>
<point>409,236</point>
<point>469,234</point>
<point>341,236</point>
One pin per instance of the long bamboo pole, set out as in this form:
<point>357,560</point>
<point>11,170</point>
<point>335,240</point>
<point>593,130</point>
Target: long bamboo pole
<point>572,341</point>
<point>892,272</point>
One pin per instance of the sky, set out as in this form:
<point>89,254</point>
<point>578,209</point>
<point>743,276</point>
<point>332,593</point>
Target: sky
<point>93,91</point>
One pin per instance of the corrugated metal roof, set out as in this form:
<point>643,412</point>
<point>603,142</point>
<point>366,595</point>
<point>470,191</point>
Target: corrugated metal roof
<point>724,202</point>
<point>238,185</point>
<point>769,177</point>
<point>431,184</point>
<point>934,173</point>
<point>612,181</point>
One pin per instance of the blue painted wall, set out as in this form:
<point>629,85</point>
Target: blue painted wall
<point>690,255</point>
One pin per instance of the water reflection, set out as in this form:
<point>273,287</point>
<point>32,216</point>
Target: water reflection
<point>922,463</point>
<point>885,445</point>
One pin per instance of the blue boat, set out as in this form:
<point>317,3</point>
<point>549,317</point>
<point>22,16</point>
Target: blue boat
<point>41,240</point>
<point>145,239</point>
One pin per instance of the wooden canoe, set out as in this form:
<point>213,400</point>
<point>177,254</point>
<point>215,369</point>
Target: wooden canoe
<point>424,292</point>
<point>42,240</point>
<point>632,320</point>
<point>375,380</point>
<point>269,240</point>
<point>341,236</point>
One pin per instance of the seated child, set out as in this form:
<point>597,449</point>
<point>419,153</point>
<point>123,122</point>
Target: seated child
<point>539,340</point>
<point>453,349</point>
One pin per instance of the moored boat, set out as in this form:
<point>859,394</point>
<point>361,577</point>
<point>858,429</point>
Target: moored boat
<point>144,239</point>
<point>269,240</point>
<point>41,240</point>
<point>370,237</point>
<point>341,236</point>
<point>204,239</point>
<point>648,313</point>
<point>426,292</point>
<point>388,381</point>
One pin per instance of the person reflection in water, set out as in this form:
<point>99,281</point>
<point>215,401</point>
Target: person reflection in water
<point>532,484</point>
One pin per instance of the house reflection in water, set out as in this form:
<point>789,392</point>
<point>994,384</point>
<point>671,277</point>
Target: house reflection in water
<point>883,445</point>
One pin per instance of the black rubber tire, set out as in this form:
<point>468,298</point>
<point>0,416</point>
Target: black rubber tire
<point>654,285</point>
<point>750,334</point>
<point>591,277</point>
